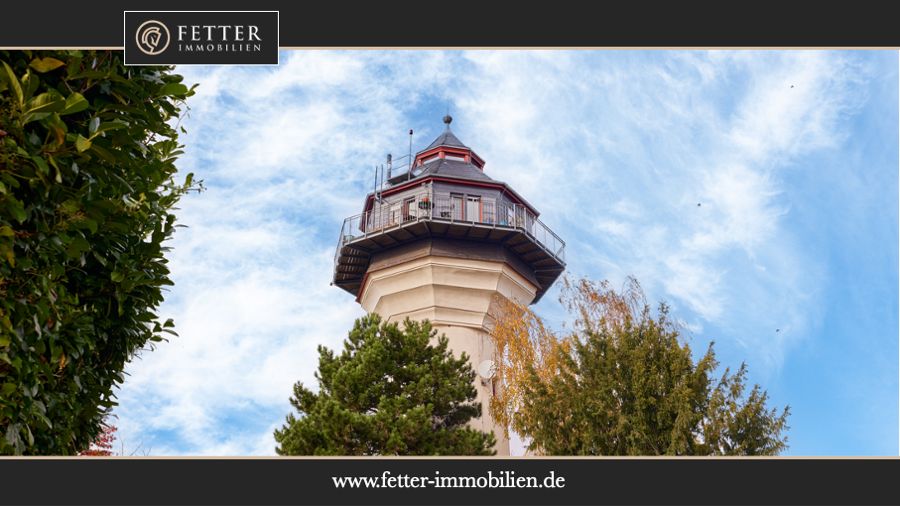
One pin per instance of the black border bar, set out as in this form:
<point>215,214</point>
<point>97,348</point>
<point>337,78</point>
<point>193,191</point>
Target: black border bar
<point>281,481</point>
<point>468,23</point>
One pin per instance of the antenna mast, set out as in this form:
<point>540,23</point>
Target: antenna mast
<point>375,185</point>
<point>409,159</point>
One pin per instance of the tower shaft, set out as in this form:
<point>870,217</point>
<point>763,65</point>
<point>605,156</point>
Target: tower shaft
<point>456,295</point>
<point>447,243</point>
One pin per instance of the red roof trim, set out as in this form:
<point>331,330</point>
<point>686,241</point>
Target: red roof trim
<point>477,160</point>
<point>452,150</point>
<point>498,186</point>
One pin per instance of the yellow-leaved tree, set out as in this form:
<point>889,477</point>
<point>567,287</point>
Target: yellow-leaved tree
<point>622,381</point>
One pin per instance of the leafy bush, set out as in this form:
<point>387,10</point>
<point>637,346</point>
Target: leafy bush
<point>87,190</point>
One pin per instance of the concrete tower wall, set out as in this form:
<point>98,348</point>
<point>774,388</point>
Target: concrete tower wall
<point>456,294</point>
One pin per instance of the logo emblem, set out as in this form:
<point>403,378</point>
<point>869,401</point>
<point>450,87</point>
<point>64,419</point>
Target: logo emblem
<point>152,37</point>
<point>200,37</point>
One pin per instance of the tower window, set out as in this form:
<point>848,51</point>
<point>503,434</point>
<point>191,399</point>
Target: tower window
<point>473,208</point>
<point>408,211</point>
<point>456,206</point>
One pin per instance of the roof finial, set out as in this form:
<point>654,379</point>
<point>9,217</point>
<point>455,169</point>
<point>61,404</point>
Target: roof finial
<point>447,120</point>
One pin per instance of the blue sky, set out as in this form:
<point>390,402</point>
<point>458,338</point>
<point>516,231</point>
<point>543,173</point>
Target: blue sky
<point>792,154</point>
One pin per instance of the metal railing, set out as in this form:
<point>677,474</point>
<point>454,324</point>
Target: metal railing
<point>500,213</point>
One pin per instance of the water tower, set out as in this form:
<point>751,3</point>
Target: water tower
<point>440,241</point>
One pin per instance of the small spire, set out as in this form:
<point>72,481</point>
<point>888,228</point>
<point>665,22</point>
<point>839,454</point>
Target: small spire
<point>447,120</point>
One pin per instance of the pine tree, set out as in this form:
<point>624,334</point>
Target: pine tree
<point>391,391</point>
<point>623,382</point>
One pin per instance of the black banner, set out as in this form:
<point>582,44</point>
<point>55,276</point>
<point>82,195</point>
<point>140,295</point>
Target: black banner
<point>470,481</point>
<point>467,23</point>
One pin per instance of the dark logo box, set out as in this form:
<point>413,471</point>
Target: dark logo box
<point>201,37</point>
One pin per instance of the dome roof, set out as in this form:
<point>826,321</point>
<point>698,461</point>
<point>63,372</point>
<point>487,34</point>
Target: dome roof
<point>446,139</point>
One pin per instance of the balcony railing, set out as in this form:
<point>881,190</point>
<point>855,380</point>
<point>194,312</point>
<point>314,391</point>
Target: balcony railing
<point>500,213</point>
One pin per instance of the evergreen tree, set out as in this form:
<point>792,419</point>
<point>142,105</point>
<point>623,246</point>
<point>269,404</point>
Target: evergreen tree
<point>624,383</point>
<point>392,391</point>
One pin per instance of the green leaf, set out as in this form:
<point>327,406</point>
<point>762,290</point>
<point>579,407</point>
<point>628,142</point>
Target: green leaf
<point>41,164</point>
<point>82,144</point>
<point>14,82</point>
<point>104,154</point>
<point>111,125</point>
<point>90,225</point>
<point>173,89</point>
<point>99,257</point>
<point>105,127</point>
<point>58,173</point>
<point>9,255</point>
<point>12,437</point>
<point>77,246</point>
<point>45,64</point>
<point>17,209</point>
<point>117,276</point>
<point>50,101</point>
<point>42,417</point>
<point>57,127</point>
<point>74,103</point>
<point>30,83</point>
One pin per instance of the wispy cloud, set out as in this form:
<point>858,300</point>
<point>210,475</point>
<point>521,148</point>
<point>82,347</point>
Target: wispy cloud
<point>616,148</point>
<point>668,166</point>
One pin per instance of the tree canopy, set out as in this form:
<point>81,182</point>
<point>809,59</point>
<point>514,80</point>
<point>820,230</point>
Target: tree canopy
<point>87,192</point>
<point>391,391</point>
<point>623,382</point>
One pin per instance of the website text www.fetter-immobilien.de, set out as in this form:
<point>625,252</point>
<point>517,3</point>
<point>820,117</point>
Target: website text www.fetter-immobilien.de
<point>502,479</point>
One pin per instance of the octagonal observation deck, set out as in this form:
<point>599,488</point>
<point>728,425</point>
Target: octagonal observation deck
<point>445,205</point>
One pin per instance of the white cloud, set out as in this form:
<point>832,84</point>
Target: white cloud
<point>631,142</point>
<point>615,147</point>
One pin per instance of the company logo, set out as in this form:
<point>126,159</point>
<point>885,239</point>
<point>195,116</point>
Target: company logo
<point>152,37</point>
<point>201,37</point>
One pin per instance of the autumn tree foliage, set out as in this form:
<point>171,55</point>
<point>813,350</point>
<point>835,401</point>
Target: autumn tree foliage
<point>391,391</point>
<point>88,188</point>
<point>102,445</point>
<point>622,381</point>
